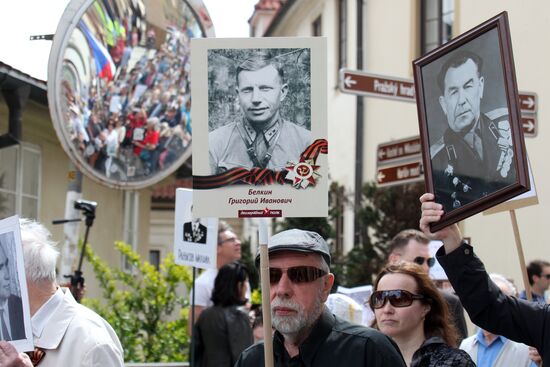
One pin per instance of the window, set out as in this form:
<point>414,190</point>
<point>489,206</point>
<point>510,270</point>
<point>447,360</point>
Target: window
<point>154,258</point>
<point>436,23</point>
<point>316,29</point>
<point>20,174</point>
<point>131,224</point>
<point>342,33</point>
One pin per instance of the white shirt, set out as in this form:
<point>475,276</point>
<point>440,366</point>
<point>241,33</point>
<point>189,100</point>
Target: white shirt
<point>204,285</point>
<point>44,314</point>
<point>73,335</point>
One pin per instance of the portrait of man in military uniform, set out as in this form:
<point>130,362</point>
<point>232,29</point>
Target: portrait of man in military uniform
<point>193,230</point>
<point>474,157</point>
<point>257,134</point>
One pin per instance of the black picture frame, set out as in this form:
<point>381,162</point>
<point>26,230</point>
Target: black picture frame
<point>458,108</point>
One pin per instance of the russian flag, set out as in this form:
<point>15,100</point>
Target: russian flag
<point>105,67</point>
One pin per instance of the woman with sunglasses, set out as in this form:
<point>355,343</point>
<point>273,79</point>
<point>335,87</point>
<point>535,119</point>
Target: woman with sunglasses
<point>223,331</point>
<point>410,309</point>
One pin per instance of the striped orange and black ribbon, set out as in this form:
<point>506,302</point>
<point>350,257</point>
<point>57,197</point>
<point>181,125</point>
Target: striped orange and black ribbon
<point>257,176</point>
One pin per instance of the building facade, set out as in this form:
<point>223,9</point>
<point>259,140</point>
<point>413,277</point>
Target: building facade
<point>384,38</point>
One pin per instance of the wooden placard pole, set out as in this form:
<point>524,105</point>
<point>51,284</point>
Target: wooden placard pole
<point>266,302</point>
<point>521,257</point>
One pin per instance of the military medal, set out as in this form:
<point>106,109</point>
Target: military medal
<point>303,173</point>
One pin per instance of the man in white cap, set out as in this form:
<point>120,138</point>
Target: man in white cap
<point>306,333</point>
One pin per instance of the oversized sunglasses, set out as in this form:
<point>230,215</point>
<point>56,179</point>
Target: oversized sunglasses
<point>420,261</point>
<point>296,274</point>
<point>397,298</point>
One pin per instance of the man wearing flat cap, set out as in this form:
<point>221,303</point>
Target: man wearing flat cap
<point>306,332</point>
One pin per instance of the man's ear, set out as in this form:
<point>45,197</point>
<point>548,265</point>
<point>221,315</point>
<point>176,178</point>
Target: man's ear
<point>327,286</point>
<point>442,104</point>
<point>393,258</point>
<point>284,91</point>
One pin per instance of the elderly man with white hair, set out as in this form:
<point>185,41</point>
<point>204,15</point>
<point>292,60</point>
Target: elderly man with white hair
<point>65,333</point>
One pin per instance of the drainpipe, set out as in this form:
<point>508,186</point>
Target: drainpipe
<point>16,98</point>
<point>359,129</point>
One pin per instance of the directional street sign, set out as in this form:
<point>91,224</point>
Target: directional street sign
<point>368,84</point>
<point>529,124</point>
<point>399,174</point>
<point>399,149</point>
<point>528,102</point>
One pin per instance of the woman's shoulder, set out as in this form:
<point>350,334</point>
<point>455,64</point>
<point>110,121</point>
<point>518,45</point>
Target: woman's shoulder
<point>434,352</point>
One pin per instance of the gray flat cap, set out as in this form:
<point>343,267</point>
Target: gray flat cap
<point>297,240</point>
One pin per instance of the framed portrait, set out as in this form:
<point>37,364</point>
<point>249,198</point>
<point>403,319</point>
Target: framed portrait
<point>259,127</point>
<point>470,127</point>
<point>15,319</point>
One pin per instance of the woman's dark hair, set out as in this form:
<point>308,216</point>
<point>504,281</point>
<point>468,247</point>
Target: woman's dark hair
<point>438,321</point>
<point>228,283</point>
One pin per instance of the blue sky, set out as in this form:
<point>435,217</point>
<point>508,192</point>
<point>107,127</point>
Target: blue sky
<point>24,18</point>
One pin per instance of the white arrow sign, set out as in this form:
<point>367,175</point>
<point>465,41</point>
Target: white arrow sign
<point>529,125</point>
<point>348,81</point>
<point>380,177</point>
<point>530,102</point>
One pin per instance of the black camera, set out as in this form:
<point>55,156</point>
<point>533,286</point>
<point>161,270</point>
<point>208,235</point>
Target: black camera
<point>87,206</point>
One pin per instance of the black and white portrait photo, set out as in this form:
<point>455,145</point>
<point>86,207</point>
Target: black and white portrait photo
<point>11,304</point>
<point>468,113</point>
<point>260,140</point>
<point>259,107</point>
<point>471,144</point>
<point>194,231</point>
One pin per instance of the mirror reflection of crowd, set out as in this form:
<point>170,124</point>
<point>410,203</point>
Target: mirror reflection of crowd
<point>139,122</point>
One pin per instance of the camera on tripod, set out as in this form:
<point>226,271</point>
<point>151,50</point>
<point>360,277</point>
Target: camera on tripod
<point>85,205</point>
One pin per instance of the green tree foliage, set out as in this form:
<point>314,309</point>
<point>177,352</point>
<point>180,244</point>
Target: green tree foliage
<point>383,213</point>
<point>143,308</point>
<point>320,225</point>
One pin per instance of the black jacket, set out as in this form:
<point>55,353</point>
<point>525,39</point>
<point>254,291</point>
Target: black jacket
<point>516,319</point>
<point>459,175</point>
<point>332,342</point>
<point>221,334</point>
<point>435,353</point>
<point>198,236</point>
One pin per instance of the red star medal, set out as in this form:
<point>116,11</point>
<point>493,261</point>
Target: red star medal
<point>302,174</point>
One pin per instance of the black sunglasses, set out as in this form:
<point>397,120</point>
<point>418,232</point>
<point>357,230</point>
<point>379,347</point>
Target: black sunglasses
<point>296,274</point>
<point>547,276</point>
<point>397,298</point>
<point>420,261</point>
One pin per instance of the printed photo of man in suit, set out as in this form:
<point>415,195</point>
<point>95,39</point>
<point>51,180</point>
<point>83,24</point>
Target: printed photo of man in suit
<point>194,231</point>
<point>11,307</point>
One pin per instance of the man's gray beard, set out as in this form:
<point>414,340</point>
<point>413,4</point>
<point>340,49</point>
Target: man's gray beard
<point>288,325</point>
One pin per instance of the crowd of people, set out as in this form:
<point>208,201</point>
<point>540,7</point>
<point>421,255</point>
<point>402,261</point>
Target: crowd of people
<point>137,122</point>
<point>414,323</point>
